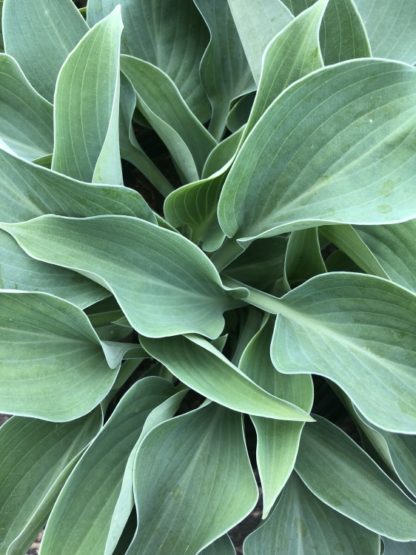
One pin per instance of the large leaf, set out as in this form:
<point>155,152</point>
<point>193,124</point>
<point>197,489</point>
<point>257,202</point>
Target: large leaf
<point>80,520</point>
<point>200,366</point>
<point>19,271</point>
<point>292,54</point>
<point>225,71</point>
<point>36,458</point>
<point>390,28</point>
<point>344,477</point>
<point>257,24</point>
<point>394,247</point>
<point>86,106</point>
<point>356,330</point>
<point>305,161</point>
<point>343,36</point>
<point>187,499</point>
<point>26,119</point>
<point>170,35</point>
<point>163,106</point>
<point>277,442</point>
<point>28,190</point>
<point>163,283</point>
<point>39,34</point>
<point>52,364</point>
<point>124,504</point>
<point>302,525</point>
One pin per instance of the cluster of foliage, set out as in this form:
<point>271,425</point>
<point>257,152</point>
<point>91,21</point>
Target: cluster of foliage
<point>208,226</point>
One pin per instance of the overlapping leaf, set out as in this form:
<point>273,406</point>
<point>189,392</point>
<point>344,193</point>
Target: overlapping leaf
<point>40,34</point>
<point>37,457</point>
<point>52,364</point>
<point>306,160</point>
<point>86,106</point>
<point>26,123</point>
<point>344,477</point>
<point>164,284</point>
<point>200,366</point>
<point>187,500</point>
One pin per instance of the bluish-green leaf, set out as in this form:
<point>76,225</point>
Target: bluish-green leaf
<point>344,477</point>
<point>37,457</point>
<point>187,499</point>
<point>163,283</point>
<point>170,35</point>
<point>52,364</point>
<point>86,106</point>
<point>80,520</point>
<point>277,442</point>
<point>26,119</point>
<point>305,161</point>
<point>195,362</point>
<point>40,34</point>
<point>225,72</point>
<point>302,525</point>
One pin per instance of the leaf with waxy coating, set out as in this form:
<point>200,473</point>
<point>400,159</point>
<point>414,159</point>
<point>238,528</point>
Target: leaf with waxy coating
<point>186,499</point>
<point>37,457</point>
<point>343,36</point>
<point>167,286</point>
<point>298,6</point>
<point>257,24</point>
<point>223,546</point>
<point>277,442</point>
<point>218,379</point>
<point>26,119</point>
<point>225,72</point>
<point>19,271</point>
<point>344,477</point>
<point>80,520</point>
<point>28,191</point>
<point>398,548</point>
<point>52,363</point>
<point>306,160</point>
<point>390,27</point>
<point>303,256</point>
<point>170,35</point>
<point>86,106</point>
<point>163,106</point>
<point>40,34</point>
<point>394,247</point>
<point>356,330</point>
<point>301,525</point>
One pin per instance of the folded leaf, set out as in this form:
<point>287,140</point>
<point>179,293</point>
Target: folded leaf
<point>19,271</point>
<point>358,331</point>
<point>163,283</point>
<point>223,546</point>
<point>187,499</point>
<point>343,36</point>
<point>87,106</point>
<point>344,477</point>
<point>28,190</point>
<point>163,106</point>
<point>26,120</point>
<point>37,457</point>
<point>298,6</point>
<point>80,520</point>
<point>170,35</point>
<point>303,257</point>
<point>277,442</point>
<point>225,72</point>
<point>305,162</point>
<point>394,247</point>
<point>390,28</point>
<point>200,366</point>
<point>40,34</point>
<point>52,364</point>
<point>301,524</point>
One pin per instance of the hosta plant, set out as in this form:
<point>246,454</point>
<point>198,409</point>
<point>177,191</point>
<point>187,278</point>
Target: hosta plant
<point>208,277</point>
